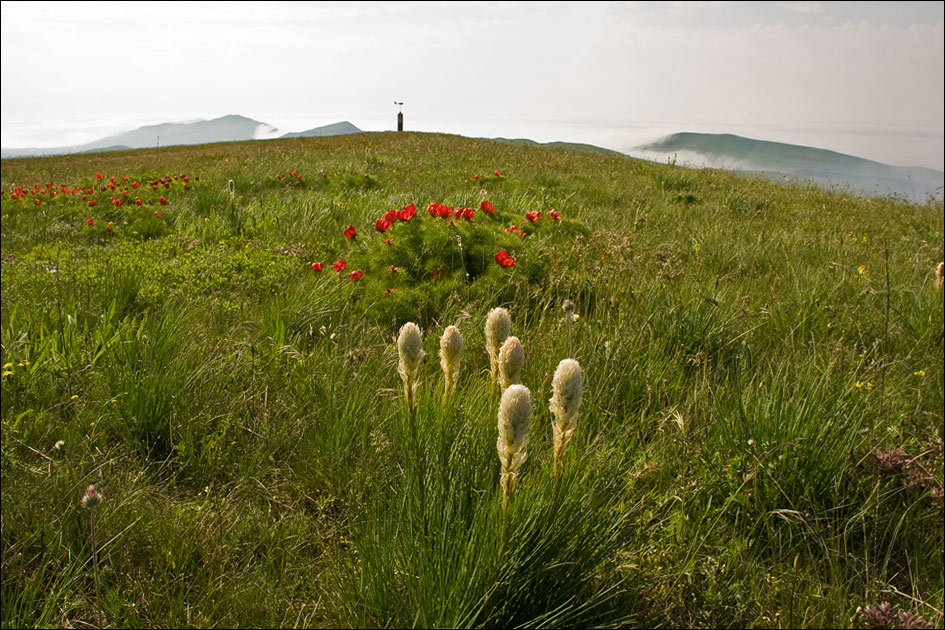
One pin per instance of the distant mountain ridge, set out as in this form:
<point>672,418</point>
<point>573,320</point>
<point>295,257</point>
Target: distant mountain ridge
<point>230,128</point>
<point>336,129</point>
<point>824,167</point>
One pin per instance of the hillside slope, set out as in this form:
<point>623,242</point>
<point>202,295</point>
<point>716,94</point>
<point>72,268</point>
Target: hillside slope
<point>748,434</point>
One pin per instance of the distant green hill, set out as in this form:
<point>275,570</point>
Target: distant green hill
<point>820,165</point>
<point>572,146</point>
<point>336,129</point>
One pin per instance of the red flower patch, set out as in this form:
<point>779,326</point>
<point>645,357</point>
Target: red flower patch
<point>503,259</point>
<point>340,265</point>
<point>317,266</point>
<point>486,206</point>
<point>350,232</point>
<point>355,275</point>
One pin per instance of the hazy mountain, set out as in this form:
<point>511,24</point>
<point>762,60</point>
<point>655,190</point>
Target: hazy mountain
<point>225,129</point>
<point>336,129</point>
<point>774,159</point>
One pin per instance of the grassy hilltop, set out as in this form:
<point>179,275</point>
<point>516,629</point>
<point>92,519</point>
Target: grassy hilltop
<point>760,434</point>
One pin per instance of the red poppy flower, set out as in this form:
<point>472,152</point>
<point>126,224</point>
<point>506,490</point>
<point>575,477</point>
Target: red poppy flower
<point>554,215</point>
<point>89,222</point>
<point>317,266</point>
<point>157,213</point>
<point>514,229</point>
<point>485,206</point>
<point>36,202</point>
<point>533,216</point>
<point>350,232</point>
<point>410,209</point>
<point>100,176</point>
<point>355,275</point>
<point>389,291</point>
<point>382,225</point>
<point>497,173</point>
<point>135,184</point>
<point>392,269</point>
<point>163,201</point>
<point>503,259</point>
<point>388,241</point>
<point>340,265</point>
<point>391,215</point>
<point>403,215</point>
<point>108,227</point>
<point>138,202</point>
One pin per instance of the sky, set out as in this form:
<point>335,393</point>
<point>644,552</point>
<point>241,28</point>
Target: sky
<point>866,78</point>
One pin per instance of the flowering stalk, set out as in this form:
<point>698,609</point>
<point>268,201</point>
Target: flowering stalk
<point>90,501</point>
<point>451,345</point>
<point>511,361</point>
<point>498,327</point>
<point>232,187</point>
<point>410,349</point>
<point>565,404</point>
<point>515,415</point>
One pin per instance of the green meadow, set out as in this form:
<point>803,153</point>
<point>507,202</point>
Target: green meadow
<point>760,434</point>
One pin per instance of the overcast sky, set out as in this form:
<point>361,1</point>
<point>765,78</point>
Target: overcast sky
<point>863,78</point>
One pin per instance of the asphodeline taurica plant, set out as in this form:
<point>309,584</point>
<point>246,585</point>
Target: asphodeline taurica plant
<point>515,417</point>
<point>498,328</point>
<point>511,362</point>
<point>410,349</point>
<point>451,345</point>
<point>567,388</point>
